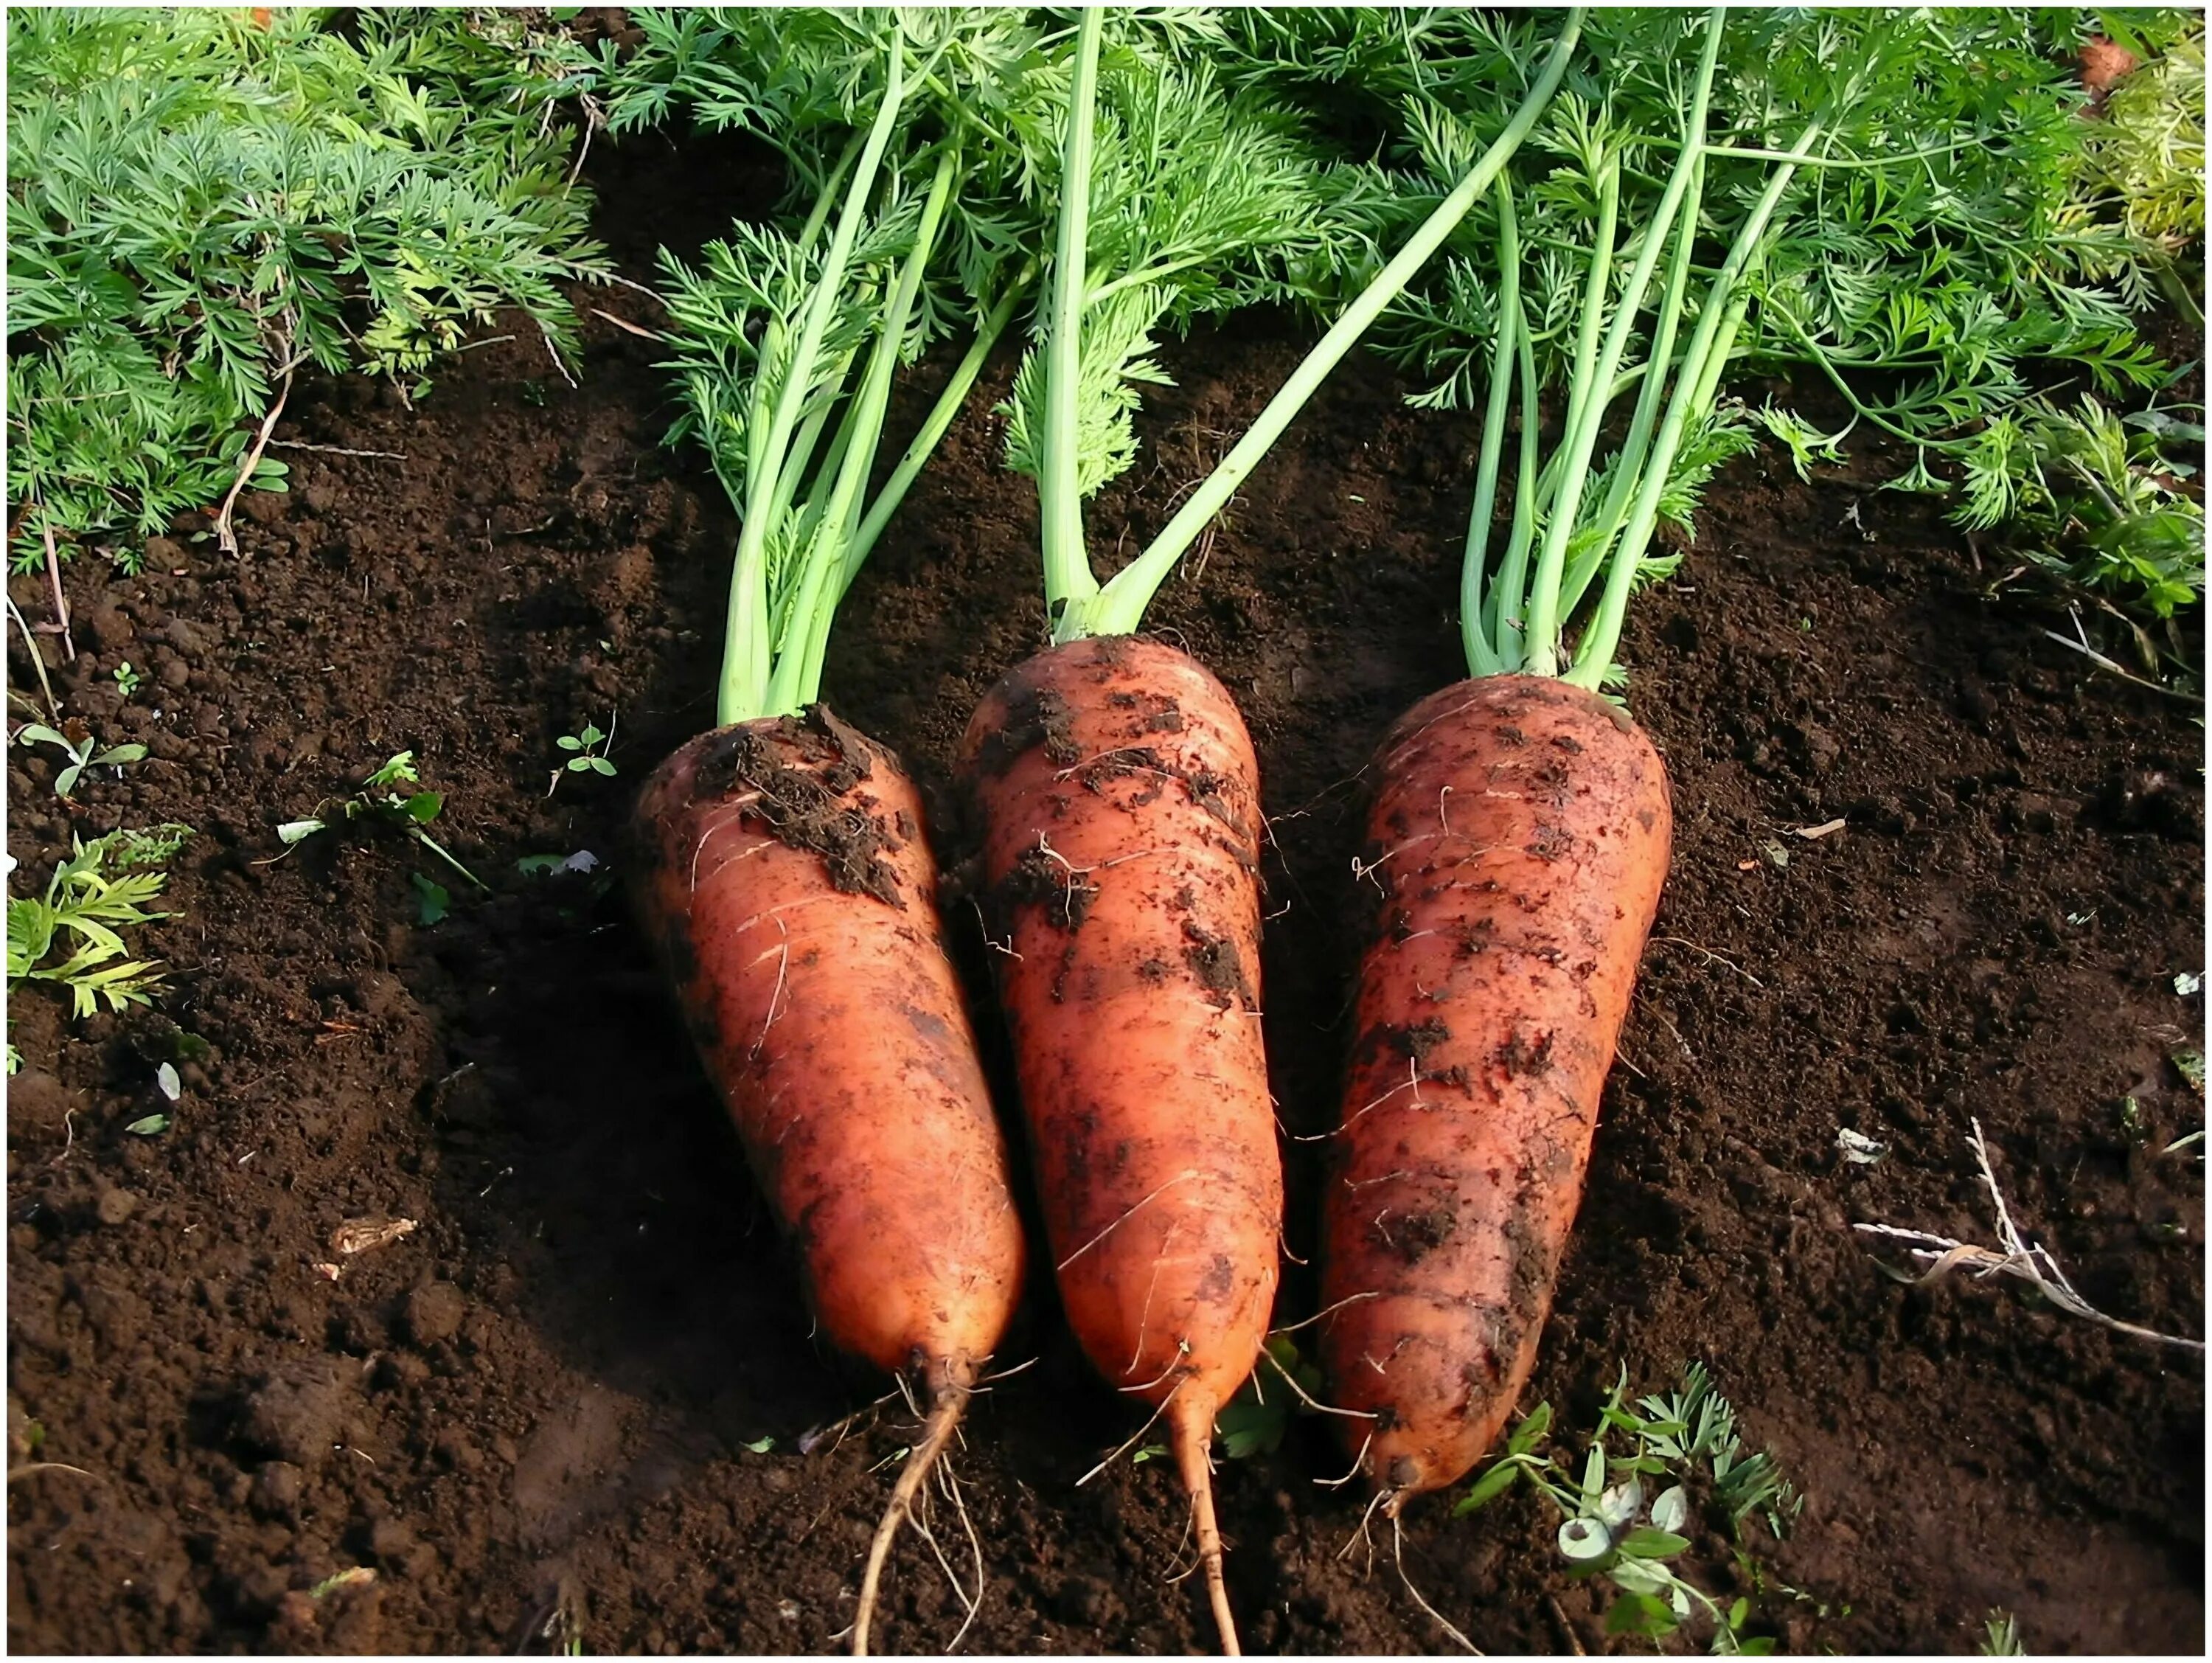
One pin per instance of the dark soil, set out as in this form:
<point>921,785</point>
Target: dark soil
<point>583,1383</point>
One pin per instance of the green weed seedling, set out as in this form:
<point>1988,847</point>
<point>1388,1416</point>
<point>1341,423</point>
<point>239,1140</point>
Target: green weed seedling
<point>587,753</point>
<point>2000,1635</point>
<point>83,751</point>
<point>1255,1420</point>
<point>1625,1517</point>
<point>380,800</point>
<point>128,681</point>
<point>99,891</point>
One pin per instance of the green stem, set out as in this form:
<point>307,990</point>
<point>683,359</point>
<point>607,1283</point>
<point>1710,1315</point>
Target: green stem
<point>1585,410</point>
<point>1119,607</point>
<point>1699,373</point>
<point>1069,582</point>
<point>1553,600</point>
<point>747,649</point>
<point>798,677</point>
<point>1507,626</point>
<point>940,419</point>
<point>1482,657</point>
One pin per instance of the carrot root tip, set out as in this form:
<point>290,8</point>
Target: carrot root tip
<point>943,1421</point>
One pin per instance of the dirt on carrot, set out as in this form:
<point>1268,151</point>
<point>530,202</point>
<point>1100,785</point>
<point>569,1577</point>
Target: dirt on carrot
<point>563,1375</point>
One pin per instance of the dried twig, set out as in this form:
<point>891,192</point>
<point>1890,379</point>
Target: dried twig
<point>335,450</point>
<point>226,539</point>
<point>61,600</point>
<point>2030,1261</point>
<point>38,663</point>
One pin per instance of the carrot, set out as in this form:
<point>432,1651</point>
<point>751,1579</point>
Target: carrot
<point>1520,834</point>
<point>1118,794</point>
<point>1521,829</point>
<point>783,870</point>
<point>1120,800</point>
<point>787,882</point>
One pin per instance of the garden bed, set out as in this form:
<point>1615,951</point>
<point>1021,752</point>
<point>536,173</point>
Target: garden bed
<point>549,1394</point>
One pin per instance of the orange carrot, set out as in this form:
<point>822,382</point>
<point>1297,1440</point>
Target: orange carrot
<point>1519,834</point>
<point>787,881</point>
<point>1119,798</point>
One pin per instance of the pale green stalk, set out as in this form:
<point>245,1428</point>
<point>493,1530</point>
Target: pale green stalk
<point>1551,602</point>
<point>1482,657</point>
<point>933,429</point>
<point>1068,583</point>
<point>746,650</point>
<point>1119,609</point>
<point>798,678</point>
<point>1700,372</point>
<point>1540,646</point>
<point>1507,623</point>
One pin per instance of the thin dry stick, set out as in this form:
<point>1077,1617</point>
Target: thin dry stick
<point>1713,957</point>
<point>2030,1262</point>
<point>1560,1616</point>
<point>335,450</point>
<point>61,600</point>
<point>226,539</point>
<point>29,1467</point>
<point>38,663</point>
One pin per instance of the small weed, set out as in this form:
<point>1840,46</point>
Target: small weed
<point>1613,1528</point>
<point>359,1576</point>
<point>1255,1421</point>
<point>379,801</point>
<point>2191,1064</point>
<point>431,899</point>
<point>588,753</point>
<point>100,890</point>
<point>2000,1635</point>
<point>128,681</point>
<point>83,751</point>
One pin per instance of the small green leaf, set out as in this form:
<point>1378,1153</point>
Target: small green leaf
<point>1672,1510</point>
<point>431,899</point>
<point>1149,1452</point>
<point>1640,1613</point>
<point>1762,1647</point>
<point>294,831</point>
<point>165,1078</point>
<point>422,807</point>
<point>1739,1612</point>
<point>1534,1425</point>
<point>117,756</point>
<point>38,732</point>
<point>1647,1543</point>
<point>66,781</point>
<point>578,764</point>
<point>601,765</point>
<point>532,865</point>
<point>397,770</point>
<point>591,735</point>
<point>570,742</point>
<point>149,1126</point>
<point>1488,1488</point>
<point>760,1446</point>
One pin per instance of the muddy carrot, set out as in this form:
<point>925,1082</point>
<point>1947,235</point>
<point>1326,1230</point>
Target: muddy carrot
<point>1519,837</point>
<point>782,865</point>
<point>1118,797</point>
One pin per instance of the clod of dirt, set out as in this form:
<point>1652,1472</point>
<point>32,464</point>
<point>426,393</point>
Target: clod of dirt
<point>296,1415</point>
<point>277,1487</point>
<point>38,1103</point>
<point>115,1206</point>
<point>801,771</point>
<point>434,1313</point>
